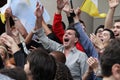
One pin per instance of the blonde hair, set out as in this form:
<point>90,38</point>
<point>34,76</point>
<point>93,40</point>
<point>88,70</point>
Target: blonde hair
<point>5,50</point>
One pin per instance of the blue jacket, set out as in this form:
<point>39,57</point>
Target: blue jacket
<point>85,41</point>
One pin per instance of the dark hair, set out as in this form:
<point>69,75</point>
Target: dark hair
<point>112,36</point>
<point>100,26</point>
<point>110,57</point>
<point>63,25</point>
<point>82,23</point>
<point>49,26</point>
<point>14,73</point>
<point>62,72</point>
<point>72,28</point>
<point>3,2</point>
<point>42,65</point>
<point>59,56</point>
<point>1,63</point>
<point>117,20</point>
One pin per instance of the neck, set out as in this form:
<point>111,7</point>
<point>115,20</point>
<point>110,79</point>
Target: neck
<point>109,78</point>
<point>67,50</point>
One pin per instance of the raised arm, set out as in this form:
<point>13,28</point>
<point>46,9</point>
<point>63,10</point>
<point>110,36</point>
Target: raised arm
<point>109,19</point>
<point>84,39</point>
<point>68,12</point>
<point>47,30</point>
<point>57,22</point>
<point>38,23</point>
<point>46,42</point>
<point>8,14</point>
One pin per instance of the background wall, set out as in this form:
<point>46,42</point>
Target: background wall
<point>90,22</point>
<point>50,5</point>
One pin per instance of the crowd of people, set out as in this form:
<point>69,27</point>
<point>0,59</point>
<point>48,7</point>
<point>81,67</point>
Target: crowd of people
<point>57,52</point>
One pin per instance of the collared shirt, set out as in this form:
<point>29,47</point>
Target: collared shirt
<point>75,61</point>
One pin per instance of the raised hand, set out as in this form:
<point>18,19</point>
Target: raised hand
<point>93,63</point>
<point>113,3</point>
<point>96,41</point>
<point>39,10</point>
<point>78,11</point>
<point>67,9</point>
<point>9,41</point>
<point>38,13</point>
<point>61,4</point>
<point>8,13</point>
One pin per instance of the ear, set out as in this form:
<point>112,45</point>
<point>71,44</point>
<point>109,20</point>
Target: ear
<point>76,39</point>
<point>116,71</point>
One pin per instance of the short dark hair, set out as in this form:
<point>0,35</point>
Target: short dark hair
<point>81,21</point>
<point>72,28</point>
<point>3,2</point>
<point>110,57</point>
<point>1,63</point>
<point>112,36</point>
<point>117,20</point>
<point>49,26</point>
<point>59,56</point>
<point>14,73</point>
<point>100,26</point>
<point>62,72</point>
<point>42,65</point>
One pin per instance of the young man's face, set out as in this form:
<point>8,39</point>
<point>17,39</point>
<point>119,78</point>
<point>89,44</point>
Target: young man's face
<point>105,36</point>
<point>116,29</point>
<point>69,38</point>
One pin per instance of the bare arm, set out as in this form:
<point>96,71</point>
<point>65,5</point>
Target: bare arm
<point>47,30</point>
<point>38,24</point>
<point>8,13</point>
<point>109,19</point>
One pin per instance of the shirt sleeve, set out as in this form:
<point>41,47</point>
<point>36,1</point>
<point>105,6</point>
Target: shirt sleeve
<point>85,41</point>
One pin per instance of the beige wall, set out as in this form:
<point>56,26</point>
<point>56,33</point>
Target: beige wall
<point>91,23</point>
<point>103,7</point>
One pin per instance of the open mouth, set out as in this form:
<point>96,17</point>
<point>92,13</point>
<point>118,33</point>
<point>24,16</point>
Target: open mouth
<point>66,40</point>
<point>101,39</point>
<point>116,34</point>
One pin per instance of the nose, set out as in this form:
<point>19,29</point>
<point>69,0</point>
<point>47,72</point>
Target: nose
<point>65,34</point>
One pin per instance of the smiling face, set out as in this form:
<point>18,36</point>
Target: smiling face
<point>116,29</point>
<point>69,38</point>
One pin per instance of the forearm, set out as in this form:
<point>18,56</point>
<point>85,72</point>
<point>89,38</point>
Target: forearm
<point>29,37</point>
<point>58,27</point>
<point>46,29</point>
<point>109,18</point>
<point>7,27</point>
<point>85,41</point>
<point>86,75</point>
<point>46,42</point>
